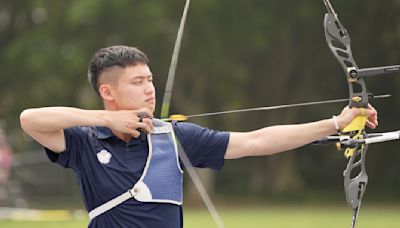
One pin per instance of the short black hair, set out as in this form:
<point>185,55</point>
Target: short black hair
<point>108,57</point>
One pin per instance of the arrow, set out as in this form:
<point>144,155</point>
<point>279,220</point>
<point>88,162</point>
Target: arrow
<point>181,117</point>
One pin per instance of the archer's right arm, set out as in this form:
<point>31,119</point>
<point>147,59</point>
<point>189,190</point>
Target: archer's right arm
<point>46,125</point>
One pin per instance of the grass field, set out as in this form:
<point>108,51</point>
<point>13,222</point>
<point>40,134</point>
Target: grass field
<point>275,217</point>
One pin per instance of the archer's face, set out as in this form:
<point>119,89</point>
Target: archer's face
<point>134,88</point>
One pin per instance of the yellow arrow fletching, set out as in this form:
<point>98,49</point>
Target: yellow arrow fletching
<point>178,117</point>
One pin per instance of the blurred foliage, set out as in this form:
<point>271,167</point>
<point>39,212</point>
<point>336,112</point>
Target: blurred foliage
<point>235,54</point>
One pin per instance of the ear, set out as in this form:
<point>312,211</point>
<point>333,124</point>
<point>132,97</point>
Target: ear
<point>106,92</point>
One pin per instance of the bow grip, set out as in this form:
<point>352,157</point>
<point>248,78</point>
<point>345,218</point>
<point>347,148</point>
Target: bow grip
<point>355,130</point>
<point>358,123</point>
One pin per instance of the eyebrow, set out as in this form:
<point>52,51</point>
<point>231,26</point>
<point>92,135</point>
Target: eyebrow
<point>141,76</point>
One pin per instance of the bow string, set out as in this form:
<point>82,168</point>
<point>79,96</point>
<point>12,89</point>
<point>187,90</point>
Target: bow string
<point>165,113</point>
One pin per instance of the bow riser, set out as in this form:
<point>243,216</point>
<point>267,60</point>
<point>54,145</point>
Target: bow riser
<point>355,176</point>
<point>340,44</point>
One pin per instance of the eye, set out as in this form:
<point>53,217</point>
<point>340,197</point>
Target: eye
<point>137,82</point>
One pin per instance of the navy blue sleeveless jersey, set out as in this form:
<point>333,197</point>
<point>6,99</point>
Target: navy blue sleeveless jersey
<point>105,167</point>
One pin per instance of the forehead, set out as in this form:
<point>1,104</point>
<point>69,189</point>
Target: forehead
<point>117,73</point>
<point>135,71</point>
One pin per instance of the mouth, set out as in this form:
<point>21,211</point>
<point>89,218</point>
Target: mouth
<point>151,100</point>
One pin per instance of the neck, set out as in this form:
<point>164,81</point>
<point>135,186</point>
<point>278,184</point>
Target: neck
<point>109,106</point>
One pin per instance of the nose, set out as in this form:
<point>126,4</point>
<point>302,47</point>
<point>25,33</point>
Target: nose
<point>149,89</point>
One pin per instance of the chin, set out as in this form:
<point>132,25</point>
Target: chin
<point>151,107</point>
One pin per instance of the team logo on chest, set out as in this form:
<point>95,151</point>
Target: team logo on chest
<point>104,156</point>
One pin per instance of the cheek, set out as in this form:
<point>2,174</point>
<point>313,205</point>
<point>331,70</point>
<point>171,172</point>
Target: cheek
<point>130,90</point>
<point>133,94</point>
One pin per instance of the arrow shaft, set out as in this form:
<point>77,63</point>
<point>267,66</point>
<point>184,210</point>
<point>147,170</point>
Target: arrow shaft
<point>277,107</point>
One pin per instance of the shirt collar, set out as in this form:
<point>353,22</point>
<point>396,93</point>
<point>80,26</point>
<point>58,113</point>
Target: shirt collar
<point>104,133</point>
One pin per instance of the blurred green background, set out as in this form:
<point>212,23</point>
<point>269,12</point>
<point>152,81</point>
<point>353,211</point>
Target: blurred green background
<point>276,217</point>
<point>235,54</point>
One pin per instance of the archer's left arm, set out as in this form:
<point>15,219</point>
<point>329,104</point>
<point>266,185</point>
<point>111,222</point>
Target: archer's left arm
<point>279,138</point>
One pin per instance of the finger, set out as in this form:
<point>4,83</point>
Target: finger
<point>135,133</point>
<point>371,113</point>
<point>371,125</point>
<point>141,115</point>
<point>149,127</point>
<point>144,126</point>
<point>371,107</point>
<point>149,123</point>
<point>145,113</point>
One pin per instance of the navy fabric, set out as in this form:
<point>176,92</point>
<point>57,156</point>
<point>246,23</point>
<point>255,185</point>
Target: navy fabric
<point>101,182</point>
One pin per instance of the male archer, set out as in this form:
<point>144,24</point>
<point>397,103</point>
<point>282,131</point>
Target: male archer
<point>129,160</point>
